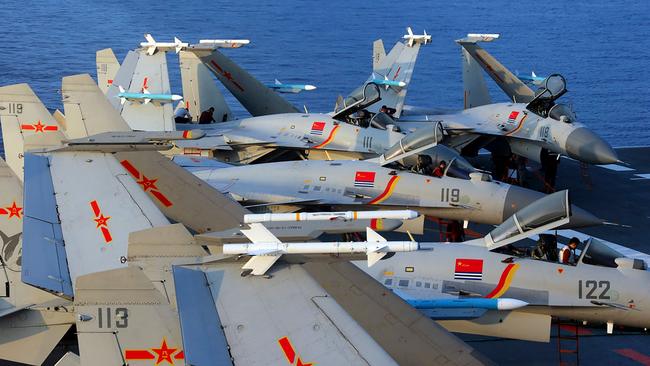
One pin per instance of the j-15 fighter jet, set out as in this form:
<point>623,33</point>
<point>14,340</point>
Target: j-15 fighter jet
<point>350,184</point>
<point>533,125</point>
<point>486,286</point>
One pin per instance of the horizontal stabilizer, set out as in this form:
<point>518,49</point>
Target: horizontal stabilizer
<point>164,241</point>
<point>28,337</point>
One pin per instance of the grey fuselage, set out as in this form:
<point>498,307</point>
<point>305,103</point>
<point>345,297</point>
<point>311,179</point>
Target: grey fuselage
<point>526,132</point>
<point>357,183</point>
<point>549,287</point>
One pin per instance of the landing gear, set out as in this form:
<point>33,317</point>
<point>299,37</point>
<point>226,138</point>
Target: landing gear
<point>550,162</point>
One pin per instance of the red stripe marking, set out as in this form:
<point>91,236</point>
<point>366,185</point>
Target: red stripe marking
<point>107,234</point>
<point>634,355</point>
<point>386,190</point>
<point>130,168</point>
<point>502,281</point>
<point>373,223</point>
<point>138,355</point>
<point>161,197</point>
<point>3,211</point>
<point>216,65</point>
<point>180,355</point>
<point>51,128</point>
<point>186,134</point>
<point>27,127</point>
<point>287,348</point>
<point>397,73</point>
<point>95,208</point>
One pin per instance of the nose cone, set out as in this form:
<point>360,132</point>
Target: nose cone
<point>518,198</point>
<point>584,145</point>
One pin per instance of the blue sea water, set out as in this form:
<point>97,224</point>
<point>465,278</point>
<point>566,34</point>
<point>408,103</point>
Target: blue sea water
<point>601,47</point>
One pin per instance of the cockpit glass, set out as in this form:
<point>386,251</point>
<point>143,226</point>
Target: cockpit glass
<point>560,110</point>
<point>600,254</point>
<point>539,213</point>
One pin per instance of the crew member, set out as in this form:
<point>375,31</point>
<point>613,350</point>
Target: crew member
<point>206,116</point>
<point>388,111</point>
<point>424,165</point>
<point>440,170</point>
<point>568,252</point>
<point>182,115</point>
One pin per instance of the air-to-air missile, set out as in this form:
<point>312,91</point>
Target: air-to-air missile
<point>289,88</point>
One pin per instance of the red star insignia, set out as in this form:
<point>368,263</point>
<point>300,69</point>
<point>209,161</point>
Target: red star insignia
<point>14,210</point>
<point>147,183</point>
<point>227,75</point>
<point>39,127</point>
<point>164,353</point>
<point>102,220</point>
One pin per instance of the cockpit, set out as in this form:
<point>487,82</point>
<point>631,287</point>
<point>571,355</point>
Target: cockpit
<point>353,109</point>
<point>543,104</point>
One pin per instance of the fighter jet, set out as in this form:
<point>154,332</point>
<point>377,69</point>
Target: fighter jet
<point>126,305</point>
<point>533,125</point>
<point>485,286</point>
<point>348,184</point>
<point>289,88</point>
<point>602,286</point>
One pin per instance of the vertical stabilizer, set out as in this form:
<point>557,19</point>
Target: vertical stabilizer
<point>200,91</point>
<point>258,99</point>
<point>26,124</point>
<point>107,66</point>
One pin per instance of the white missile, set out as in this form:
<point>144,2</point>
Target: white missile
<point>485,37</point>
<point>225,43</point>
<point>326,216</point>
<point>152,46</point>
<point>374,250</point>
<point>412,39</point>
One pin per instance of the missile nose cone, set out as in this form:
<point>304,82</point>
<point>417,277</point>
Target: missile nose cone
<point>309,87</point>
<point>510,304</point>
<point>518,198</point>
<point>584,145</point>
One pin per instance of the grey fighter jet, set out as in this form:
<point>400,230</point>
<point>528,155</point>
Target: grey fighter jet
<point>487,286</point>
<point>345,184</point>
<point>533,125</point>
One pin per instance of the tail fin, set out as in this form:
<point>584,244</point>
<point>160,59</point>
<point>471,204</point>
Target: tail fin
<point>258,99</point>
<point>180,195</point>
<point>123,319</point>
<point>87,110</point>
<point>26,124</point>
<point>200,91</point>
<point>378,53</point>
<point>396,67</point>
<point>146,74</point>
<point>475,91</point>
<point>21,324</point>
<point>107,66</point>
<point>507,81</point>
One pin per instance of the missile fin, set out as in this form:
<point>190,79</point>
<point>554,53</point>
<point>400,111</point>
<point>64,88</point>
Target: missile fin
<point>374,257</point>
<point>259,265</point>
<point>373,236</point>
